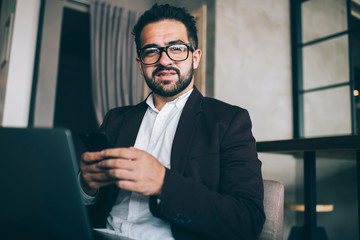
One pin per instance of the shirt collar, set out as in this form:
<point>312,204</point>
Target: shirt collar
<point>179,101</point>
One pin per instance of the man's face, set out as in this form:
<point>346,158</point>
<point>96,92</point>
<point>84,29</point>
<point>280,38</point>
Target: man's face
<point>168,78</point>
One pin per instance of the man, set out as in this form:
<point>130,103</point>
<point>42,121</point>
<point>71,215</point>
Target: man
<point>193,171</point>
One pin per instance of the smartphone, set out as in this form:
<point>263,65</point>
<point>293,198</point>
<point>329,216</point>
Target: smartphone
<point>96,141</point>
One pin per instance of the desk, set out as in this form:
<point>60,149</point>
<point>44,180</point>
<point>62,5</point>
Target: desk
<point>338,146</point>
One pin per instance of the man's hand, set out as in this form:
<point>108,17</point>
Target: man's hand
<point>134,170</point>
<point>130,168</point>
<point>92,177</point>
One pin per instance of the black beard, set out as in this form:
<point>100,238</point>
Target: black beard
<point>179,86</point>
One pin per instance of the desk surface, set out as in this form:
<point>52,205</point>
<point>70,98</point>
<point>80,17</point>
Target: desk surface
<point>329,146</point>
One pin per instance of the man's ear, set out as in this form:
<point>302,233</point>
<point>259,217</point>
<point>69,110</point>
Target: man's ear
<point>139,65</point>
<point>196,58</point>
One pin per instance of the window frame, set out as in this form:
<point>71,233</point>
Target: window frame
<point>297,46</point>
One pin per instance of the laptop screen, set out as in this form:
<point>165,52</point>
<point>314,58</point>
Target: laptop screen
<point>40,198</point>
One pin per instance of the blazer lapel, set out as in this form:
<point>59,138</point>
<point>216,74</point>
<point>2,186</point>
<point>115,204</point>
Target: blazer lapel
<point>131,125</point>
<point>184,132</point>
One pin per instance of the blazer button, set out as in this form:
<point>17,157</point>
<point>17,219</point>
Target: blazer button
<point>181,218</point>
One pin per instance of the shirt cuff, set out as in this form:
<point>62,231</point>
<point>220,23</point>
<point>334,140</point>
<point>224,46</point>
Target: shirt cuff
<point>87,199</point>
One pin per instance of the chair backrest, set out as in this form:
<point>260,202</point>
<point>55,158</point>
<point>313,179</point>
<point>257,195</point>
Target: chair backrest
<point>274,210</point>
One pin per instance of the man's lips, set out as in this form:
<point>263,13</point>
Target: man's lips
<point>166,73</point>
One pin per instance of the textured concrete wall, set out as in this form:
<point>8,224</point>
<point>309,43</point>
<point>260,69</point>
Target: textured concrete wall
<point>253,67</point>
<point>253,70</point>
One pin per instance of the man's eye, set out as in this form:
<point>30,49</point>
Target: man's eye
<point>177,48</point>
<point>150,51</point>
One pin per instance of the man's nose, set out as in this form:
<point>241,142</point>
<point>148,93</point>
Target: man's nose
<point>164,59</point>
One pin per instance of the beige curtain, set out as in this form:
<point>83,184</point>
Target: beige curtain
<point>116,79</point>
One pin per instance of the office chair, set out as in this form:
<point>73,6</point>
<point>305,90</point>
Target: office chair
<point>274,210</point>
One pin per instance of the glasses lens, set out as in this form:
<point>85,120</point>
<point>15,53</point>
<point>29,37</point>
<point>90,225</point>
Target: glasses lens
<point>178,52</point>
<point>150,55</point>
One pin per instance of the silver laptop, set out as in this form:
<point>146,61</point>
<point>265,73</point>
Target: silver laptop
<point>40,196</point>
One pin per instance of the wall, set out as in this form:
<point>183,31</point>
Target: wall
<point>139,6</point>
<point>7,14</point>
<point>253,62</point>
<point>253,70</point>
<point>48,65</point>
<point>21,64</point>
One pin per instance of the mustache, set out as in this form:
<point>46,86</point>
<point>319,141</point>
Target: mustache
<point>162,68</point>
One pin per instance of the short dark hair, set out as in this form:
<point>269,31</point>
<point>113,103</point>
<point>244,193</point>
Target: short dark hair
<point>163,12</point>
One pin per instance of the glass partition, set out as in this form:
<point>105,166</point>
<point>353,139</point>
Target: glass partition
<point>326,112</point>
<point>321,18</point>
<point>326,63</point>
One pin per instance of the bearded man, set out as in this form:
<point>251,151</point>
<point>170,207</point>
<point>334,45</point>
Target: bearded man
<point>184,166</point>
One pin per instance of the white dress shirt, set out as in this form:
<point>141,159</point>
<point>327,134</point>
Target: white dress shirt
<point>130,215</point>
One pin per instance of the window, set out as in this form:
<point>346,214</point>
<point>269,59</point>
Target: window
<point>326,66</point>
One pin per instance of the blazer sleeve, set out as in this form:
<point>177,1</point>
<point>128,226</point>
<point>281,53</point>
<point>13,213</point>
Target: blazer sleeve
<point>234,210</point>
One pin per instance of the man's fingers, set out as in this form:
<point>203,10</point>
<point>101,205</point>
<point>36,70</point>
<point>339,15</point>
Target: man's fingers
<point>91,168</point>
<point>109,175</point>
<point>116,163</point>
<point>91,182</point>
<point>91,157</point>
<point>121,174</point>
<point>124,153</point>
<point>98,177</point>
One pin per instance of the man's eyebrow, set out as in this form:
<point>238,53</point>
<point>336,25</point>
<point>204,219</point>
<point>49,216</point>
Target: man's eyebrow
<point>151,45</point>
<point>175,42</point>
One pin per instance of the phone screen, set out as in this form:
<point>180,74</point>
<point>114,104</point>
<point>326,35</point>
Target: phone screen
<point>96,141</point>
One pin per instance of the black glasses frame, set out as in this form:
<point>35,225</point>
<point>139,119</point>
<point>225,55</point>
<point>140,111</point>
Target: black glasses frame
<point>165,49</point>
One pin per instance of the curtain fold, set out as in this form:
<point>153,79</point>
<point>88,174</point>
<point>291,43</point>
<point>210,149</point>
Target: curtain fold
<point>116,79</point>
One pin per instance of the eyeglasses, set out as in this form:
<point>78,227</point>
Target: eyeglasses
<point>176,52</point>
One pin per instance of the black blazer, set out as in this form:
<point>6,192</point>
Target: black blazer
<point>214,188</point>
